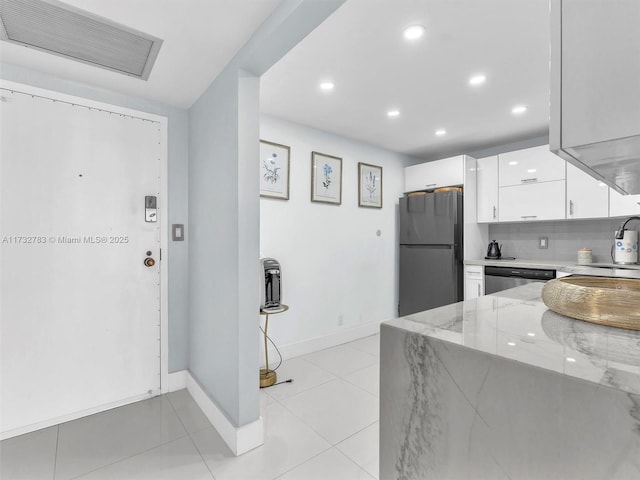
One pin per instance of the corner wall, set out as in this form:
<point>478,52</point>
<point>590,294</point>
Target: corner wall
<point>337,273</point>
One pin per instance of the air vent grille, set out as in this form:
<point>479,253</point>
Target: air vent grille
<point>60,29</point>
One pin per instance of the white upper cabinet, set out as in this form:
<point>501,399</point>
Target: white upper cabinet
<point>586,196</point>
<point>487,192</point>
<point>531,202</point>
<point>531,165</point>
<point>440,173</point>
<point>623,205</point>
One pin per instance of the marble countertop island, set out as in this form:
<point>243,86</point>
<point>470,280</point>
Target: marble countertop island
<point>500,387</point>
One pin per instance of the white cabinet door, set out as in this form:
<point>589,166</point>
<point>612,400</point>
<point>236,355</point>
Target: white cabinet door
<point>530,165</point>
<point>534,201</point>
<point>473,288</point>
<point>473,281</point>
<point>586,196</point>
<point>487,189</point>
<point>440,173</point>
<point>623,205</point>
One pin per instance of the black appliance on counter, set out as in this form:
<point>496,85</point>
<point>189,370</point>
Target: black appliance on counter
<point>493,251</point>
<point>431,271</point>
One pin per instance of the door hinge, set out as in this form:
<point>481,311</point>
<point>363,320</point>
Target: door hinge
<point>160,254</point>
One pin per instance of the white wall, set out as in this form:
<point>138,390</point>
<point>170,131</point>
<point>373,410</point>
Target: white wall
<point>335,268</point>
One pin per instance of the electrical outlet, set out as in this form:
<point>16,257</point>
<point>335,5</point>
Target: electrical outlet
<point>543,242</point>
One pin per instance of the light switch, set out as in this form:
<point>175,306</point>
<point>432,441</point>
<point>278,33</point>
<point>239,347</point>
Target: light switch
<point>543,242</point>
<point>177,232</point>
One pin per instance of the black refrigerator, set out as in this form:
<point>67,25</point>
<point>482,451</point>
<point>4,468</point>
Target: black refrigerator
<point>431,272</point>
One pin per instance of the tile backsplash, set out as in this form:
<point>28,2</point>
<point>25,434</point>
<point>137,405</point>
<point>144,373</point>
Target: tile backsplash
<point>520,240</point>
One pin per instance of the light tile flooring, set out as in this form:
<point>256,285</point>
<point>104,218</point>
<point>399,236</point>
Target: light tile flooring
<point>322,426</point>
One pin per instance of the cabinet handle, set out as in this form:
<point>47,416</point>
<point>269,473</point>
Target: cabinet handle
<point>529,180</point>
<point>478,289</point>
<point>430,184</point>
<point>528,216</point>
<point>570,207</point>
<point>494,212</point>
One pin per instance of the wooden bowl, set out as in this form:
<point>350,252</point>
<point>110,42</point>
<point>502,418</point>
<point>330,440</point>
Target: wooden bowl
<point>614,302</point>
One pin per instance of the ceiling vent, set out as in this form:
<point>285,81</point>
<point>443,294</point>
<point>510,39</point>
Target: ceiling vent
<point>57,28</point>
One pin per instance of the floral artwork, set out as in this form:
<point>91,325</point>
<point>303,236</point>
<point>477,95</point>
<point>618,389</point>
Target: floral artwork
<point>369,185</point>
<point>274,170</point>
<point>271,169</point>
<point>326,178</point>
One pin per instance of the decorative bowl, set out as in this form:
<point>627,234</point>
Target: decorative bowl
<point>614,302</point>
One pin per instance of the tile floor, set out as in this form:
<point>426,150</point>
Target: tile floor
<point>322,426</point>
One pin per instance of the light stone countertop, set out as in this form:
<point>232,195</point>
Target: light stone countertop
<point>593,269</point>
<point>522,263</point>
<point>515,324</point>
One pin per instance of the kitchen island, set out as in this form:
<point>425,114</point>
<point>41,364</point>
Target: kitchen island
<point>500,387</point>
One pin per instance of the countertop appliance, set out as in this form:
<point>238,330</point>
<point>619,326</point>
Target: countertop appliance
<point>497,279</point>
<point>431,271</point>
<point>625,244</point>
<point>493,251</point>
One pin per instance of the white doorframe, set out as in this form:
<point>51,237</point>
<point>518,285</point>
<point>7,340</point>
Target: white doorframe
<point>163,212</point>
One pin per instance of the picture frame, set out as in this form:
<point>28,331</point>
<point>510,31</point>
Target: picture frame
<point>369,185</point>
<point>326,178</point>
<point>274,170</point>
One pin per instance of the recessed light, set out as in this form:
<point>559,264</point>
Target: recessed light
<point>393,113</point>
<point>571,360</point>
<point>518,109</point>
<point>531,170</point>
<point>531,334</point>
<point>414,32</point>
<point>327,86</point>
<point>513,162</point>
<point>440,132</point>
<point>511,344</point>
<point>477,79</point>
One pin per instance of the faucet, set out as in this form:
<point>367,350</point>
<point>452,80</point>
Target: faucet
<point>620,231</point>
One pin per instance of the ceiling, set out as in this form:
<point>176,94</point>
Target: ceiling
<point>361,49</point>
<point>200,38</point>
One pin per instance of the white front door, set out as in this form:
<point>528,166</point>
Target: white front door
<point>80,310</point>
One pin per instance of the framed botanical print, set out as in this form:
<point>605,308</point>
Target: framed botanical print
<point>274,170</point>
<point>326,178</point>
<point>369,185</point>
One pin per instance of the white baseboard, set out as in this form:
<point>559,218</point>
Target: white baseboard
<point>175,381</point>
<point>239,439</point>
<point>320,343</point>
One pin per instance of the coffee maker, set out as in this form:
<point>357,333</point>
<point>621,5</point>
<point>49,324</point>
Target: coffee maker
<point>625,244</point>
<point>270,284</point>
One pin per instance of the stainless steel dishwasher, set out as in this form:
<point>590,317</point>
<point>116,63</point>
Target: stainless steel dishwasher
<point>502,278</point>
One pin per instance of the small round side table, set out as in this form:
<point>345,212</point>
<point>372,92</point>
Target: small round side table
<point>268,377</point>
